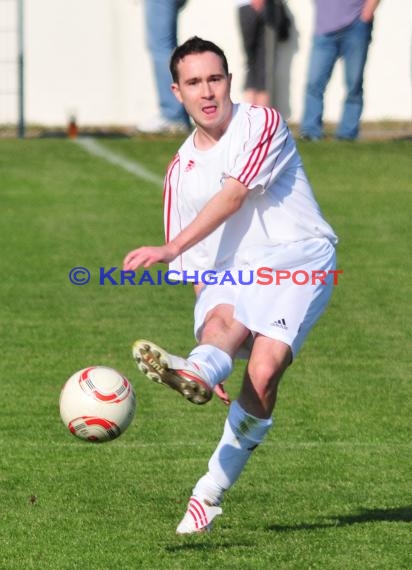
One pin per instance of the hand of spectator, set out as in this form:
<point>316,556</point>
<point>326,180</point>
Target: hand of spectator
<point>258,5</point>
<point>368,10</point>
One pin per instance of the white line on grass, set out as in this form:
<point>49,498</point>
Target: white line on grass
<point>302,445</point>
<point>93,147</point>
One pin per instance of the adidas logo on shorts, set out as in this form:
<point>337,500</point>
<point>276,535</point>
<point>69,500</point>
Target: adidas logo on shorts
<point>280,323</point>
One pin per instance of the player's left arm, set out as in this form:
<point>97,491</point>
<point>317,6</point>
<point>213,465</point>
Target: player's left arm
<point>368,10</point>
<point>216,211</point>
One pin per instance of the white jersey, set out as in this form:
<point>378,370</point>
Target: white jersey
<point>259,151</point>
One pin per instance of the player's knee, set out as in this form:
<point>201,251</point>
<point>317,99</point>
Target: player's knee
<point>216,325</point>
<point>263,373</point>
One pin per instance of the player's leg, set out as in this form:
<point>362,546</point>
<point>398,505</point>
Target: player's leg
<point>268,361</point>
<point>246,426</point>
<point>285,314</point>
<point>208,364</point>
<point>222,330</point>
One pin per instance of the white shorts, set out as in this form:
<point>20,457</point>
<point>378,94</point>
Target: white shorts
<point>275,305</point>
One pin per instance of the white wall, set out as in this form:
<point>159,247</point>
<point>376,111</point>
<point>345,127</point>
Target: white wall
<point>88,57</point>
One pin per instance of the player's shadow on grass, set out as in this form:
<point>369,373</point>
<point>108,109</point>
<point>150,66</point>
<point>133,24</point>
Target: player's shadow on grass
<point>204,546</point>
<point>401,514</point>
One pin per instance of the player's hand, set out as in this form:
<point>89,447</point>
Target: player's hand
<point>149,255</point>
<point>222,394</point>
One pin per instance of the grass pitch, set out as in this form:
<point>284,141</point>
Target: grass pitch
<point>329,489</point>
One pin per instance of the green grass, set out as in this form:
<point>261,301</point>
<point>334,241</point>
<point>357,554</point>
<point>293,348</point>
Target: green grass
<point>329,489</point>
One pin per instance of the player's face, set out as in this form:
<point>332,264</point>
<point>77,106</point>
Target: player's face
<point>204,90</point>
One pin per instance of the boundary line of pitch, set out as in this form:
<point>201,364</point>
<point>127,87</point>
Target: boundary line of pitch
<point>90,145</point>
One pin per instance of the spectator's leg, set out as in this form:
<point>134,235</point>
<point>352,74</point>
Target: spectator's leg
<point>161,35</point>
<point>322,60</point>
<point>355,43</point>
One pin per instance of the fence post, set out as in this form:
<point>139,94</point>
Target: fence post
<point>20,71</point>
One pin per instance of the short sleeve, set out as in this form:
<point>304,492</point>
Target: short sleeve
<point>262,138</point>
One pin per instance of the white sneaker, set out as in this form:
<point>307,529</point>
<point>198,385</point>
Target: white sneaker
<point>173,371</point>
<point>198,517</point>
<point>159,125</point>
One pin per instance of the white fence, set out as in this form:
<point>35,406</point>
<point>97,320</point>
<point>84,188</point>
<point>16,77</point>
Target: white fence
<point>88,58</point>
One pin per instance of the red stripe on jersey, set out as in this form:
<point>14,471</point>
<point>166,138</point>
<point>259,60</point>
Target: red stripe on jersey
<point>250,163</point>
<point>261,150</point>
<point>167,195</point>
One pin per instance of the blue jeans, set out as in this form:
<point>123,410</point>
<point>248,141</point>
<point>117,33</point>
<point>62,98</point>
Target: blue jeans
<point>351,44</point>
<point>161,38</point>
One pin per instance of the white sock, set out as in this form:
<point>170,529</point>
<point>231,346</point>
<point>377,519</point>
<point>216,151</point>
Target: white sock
<point>241,435</point>
<point>215,364</point>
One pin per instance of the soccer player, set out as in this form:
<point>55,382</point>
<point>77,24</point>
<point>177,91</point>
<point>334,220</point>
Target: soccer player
<point>236,199</point>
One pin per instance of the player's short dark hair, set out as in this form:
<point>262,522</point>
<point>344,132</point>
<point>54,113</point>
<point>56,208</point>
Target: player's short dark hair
<point>191,46</point>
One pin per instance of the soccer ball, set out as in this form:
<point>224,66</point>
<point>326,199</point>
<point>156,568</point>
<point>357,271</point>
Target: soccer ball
<point>97,403</point>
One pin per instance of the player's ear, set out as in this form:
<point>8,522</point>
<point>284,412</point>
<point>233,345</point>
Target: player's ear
<point>176,91</point>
